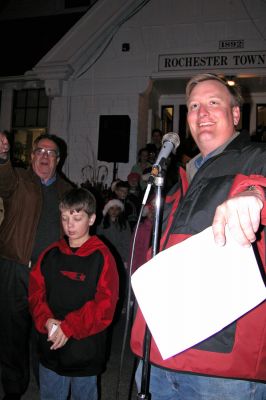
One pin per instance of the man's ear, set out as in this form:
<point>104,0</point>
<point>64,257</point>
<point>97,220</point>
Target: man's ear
<point>236,114</point>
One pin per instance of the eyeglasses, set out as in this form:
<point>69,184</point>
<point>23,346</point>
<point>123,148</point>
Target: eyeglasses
<point>40,151</point>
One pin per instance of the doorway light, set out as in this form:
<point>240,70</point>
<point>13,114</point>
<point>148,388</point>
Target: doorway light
<point>230,81</point>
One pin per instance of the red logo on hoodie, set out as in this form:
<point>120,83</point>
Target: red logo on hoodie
<point>75,276</point>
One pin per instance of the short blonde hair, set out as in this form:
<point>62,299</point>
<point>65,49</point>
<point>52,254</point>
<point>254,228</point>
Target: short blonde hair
<point>234,91</point>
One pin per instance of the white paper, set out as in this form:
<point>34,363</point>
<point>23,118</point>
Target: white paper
<point>195,288</point>
<point>54,328</point>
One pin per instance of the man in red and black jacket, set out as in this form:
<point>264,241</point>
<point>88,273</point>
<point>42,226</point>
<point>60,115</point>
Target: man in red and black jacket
<point>224,185</point>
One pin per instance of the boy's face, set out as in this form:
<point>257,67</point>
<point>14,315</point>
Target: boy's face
<point>121,192</point>
<point>76,226</point>
<point>133,182</point>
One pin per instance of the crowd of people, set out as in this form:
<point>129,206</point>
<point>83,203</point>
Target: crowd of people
<point>65,251</point>
<point>38,207</point>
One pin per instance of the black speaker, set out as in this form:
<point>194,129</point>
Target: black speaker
<point>114,138</point>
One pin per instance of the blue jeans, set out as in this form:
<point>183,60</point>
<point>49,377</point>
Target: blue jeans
<point>168,385</point>
<point>56,387</point>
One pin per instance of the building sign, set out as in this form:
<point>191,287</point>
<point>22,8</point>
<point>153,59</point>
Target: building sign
<point>196,61</point>
<point>231,44</point>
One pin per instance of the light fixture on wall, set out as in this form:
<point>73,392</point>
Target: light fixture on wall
<point>230,81</point>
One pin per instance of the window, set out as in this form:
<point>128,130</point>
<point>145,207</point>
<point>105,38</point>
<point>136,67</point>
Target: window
<point>167,116</point>
<point>30,119</point>
<point>30,108</point>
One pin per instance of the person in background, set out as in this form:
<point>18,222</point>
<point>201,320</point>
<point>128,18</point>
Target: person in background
<point>143,167</point>
<point>156,140</point>
<point>31,223</point>
<point>130,201</point>
<point>133,199</point>
<point>120,190</point>
<point>115,228</point>
<point>73,293</point>
<point>152,151</point>
<point>143,237</point>
<point>133,180</point>
<point>115,231</point>
<point>225,185</point>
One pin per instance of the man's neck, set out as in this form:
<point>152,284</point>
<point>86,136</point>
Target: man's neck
<point>48,181</point>
<point>220,148</point>
<point>195,163</point>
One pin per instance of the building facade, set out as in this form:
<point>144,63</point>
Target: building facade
<point>121,71</point>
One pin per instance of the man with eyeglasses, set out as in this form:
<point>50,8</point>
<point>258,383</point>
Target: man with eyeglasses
<point>31,223</point>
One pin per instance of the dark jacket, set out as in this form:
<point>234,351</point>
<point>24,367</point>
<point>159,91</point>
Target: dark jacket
<point>22,196</point>
<point>239,350</point>
<point>81,290</point>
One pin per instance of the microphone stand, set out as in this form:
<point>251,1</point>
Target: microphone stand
<point>158,182</point>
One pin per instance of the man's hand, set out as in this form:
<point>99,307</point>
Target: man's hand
<point>4,146</point>
<point>242,216</point>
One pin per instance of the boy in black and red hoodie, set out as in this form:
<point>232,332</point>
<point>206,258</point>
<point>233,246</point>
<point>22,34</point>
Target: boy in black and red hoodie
<point>73,293</point>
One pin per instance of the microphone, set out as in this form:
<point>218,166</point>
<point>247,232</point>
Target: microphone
<point>170,143</point>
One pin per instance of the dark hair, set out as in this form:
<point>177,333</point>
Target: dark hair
<point>151,148</point>
<point>234,91</point>
<point>48,136</point>
<point>156,130</point>
<point>78,199</point>
<point>141,151</point>
<point>122,184</point>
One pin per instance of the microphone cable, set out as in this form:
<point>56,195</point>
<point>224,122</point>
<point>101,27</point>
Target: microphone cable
<point>129,305</point>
